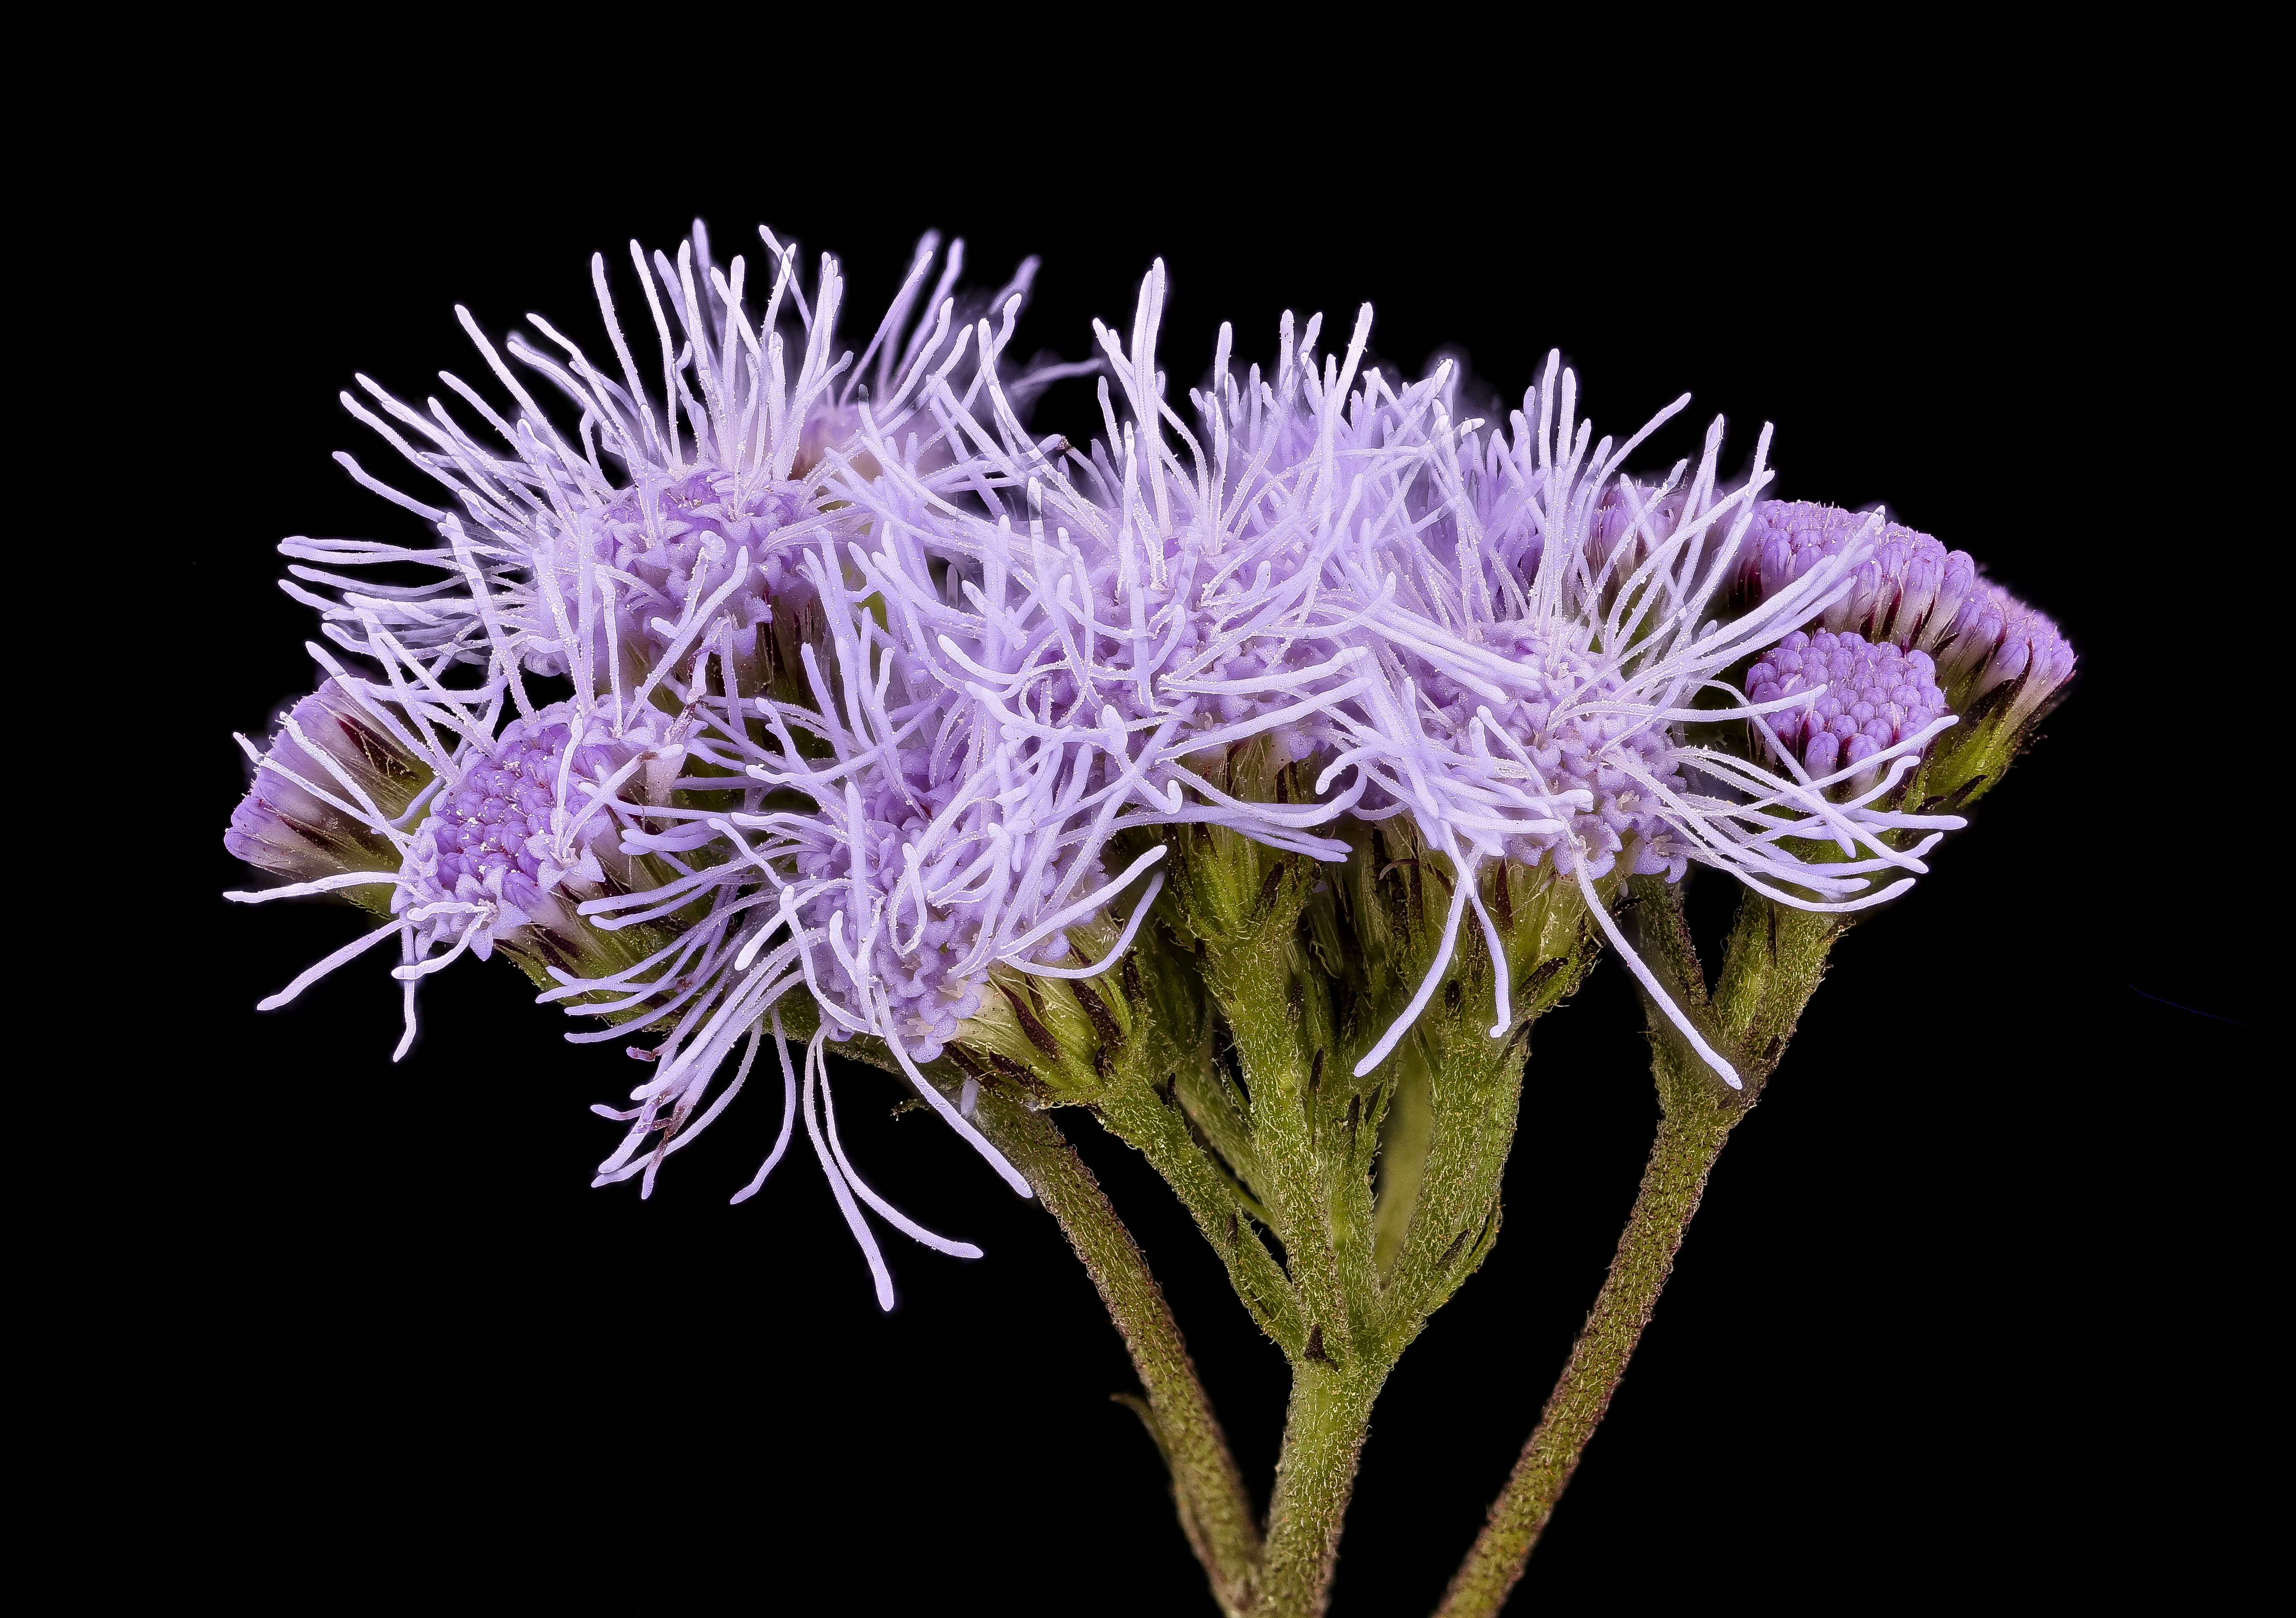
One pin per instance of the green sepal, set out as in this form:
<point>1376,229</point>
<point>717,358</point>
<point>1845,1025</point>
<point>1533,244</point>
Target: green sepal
<point>1969,760</point>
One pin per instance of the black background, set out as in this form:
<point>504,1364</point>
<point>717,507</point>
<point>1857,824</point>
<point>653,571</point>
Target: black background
<point>1953,1319</point>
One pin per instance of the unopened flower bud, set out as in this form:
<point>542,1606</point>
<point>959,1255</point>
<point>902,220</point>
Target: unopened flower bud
<point>1909,591</point>
<point>336,766</point>
<point>530,825</point>
<point>2004,666</point>
<point>1998,641</point>
<point>1864,698</point>
<point>1915,608</point>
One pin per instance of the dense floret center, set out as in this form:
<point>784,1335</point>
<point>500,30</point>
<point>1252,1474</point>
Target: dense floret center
<point>484,825</point>
<point>1864,696</point>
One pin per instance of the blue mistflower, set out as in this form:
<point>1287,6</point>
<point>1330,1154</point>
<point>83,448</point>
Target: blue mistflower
<point>868,681</point>
<point>1497,632</point>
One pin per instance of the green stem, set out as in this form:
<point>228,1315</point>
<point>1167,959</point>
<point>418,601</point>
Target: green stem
<point>1322,1443</point>
<point>1672,1184</point>
<point>1771,965</point>
<point>1207,1488</point>
<point>1158,1129</point>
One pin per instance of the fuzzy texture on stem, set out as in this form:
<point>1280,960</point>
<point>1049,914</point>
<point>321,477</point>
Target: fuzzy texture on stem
<point>1323,1434</point>
<point>1774,959</point>
<point>1281,958</point>
<point>1207,1488</point>
<point>1672,1184</point>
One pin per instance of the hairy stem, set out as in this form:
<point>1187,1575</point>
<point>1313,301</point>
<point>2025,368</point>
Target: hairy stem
<point>1771,965</point>
<point>1322,1443</point>
<point>1672,1184</point>
<point>1208,1490</point>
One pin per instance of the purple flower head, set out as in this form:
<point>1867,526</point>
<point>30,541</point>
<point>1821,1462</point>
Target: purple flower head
<point>939,846</point>
<point>1909,589</point>
<point>528,823</point>
<point>1863,698</point>
<point>947,839</point>
<point>1913,591</point>
<point>614,547</point>
<point>1498,634</point>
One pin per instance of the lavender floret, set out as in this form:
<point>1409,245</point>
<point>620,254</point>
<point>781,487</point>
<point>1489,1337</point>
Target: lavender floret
<point>1866,697</point>
<point>1910,590</point>
<point>531,822</point>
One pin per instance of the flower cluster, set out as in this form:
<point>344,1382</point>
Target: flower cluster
<point>663,538</point>
<point>1493,629</point>
<point>1911,593</point>
<point>871,683</point>
<point>1968,649</point>
<point>1863,698</point>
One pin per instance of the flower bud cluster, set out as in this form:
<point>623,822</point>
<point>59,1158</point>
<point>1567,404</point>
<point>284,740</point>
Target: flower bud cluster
<point>1909,589</point>
<point>536,812</point>
<point>1912,592</point>
<point>1864,698</point>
